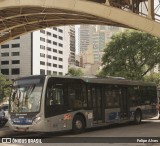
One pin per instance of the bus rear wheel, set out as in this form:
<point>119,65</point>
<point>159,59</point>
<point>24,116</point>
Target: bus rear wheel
<point>138,117</point>
<point>78,124</point>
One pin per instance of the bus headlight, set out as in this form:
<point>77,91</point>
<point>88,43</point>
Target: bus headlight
<point>37,120</point>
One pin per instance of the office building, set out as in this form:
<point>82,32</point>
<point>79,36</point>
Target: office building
<point>41,52</point>
<point>85,37</point>
<point>72,60</point>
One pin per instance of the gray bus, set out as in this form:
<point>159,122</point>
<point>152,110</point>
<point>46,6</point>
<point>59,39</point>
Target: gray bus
<point>56,103</point>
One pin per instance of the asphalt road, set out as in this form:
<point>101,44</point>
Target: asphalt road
<point>115,135</point>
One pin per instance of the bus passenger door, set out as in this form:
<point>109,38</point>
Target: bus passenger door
<point>54,102</point>
<point>124,104</point>
<point>96,93</point>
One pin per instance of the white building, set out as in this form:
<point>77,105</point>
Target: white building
<point>52,55</point>
<point>42,52</point>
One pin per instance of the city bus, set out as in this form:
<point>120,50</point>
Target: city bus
<point>57,103</point>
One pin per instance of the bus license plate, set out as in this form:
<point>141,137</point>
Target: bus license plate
<point>22,129</point>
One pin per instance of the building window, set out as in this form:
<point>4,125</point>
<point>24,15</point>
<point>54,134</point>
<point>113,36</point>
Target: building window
<point>54,65</point>
<point>55,28</point>
<point>49,56</point>
<point>48,72</point>
<point>54,58</point>
<point>5,71</point>
<point>15,71</point>
<point>42,63</point>
<point>4,62</point>
<point>54,43</point>
<point>48,48</point>
<point>15,45</point>
<point>42,55</point>
<point>48,33</point>
<point>54,35</point>
<point>42,39</point>
<point>60,30</point>
<point>54,50</point>
<point>60,59</point>
<point>61,45</point>
<point>42,31</point>
<point>61,38</point>
<point>42,47</point>
<point>5,54</point>
<point>60,73</point>
<point>48,64</point>
<point>15,61</point>
<point>5,46</point>
<point>60,52</point>
<point>16,38</point>
<point>60,66</point>
<point>54,72</point>
<point>42,72</point>
<point>15,53</point>
<point>49,41</point>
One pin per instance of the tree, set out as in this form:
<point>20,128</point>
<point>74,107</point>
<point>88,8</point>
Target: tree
<point>154,77</point>
<point>75,72</point>
<point>131,54</point>
<point>4,87</point>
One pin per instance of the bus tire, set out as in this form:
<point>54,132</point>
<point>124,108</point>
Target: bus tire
<point>78,124</point>
<point>137,117</point>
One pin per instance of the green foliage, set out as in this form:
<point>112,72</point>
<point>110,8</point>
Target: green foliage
<point>131,54</point>
<point>4,87</point>
<point>75,72</point>
<point>154,77</point>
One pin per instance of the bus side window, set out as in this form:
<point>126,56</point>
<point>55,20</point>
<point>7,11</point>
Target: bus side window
<point>48,95</point>
<point>84,95</point>
<point>55,95</point>
<point>112,96</point>
<point>108,96</point>
<point>134,101</point>
<point>135,98</point>
<point>152,95</point>
<point>89,102</point>
<point>75,98</point>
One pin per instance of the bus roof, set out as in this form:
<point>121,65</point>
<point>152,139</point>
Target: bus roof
<point>94,79</point>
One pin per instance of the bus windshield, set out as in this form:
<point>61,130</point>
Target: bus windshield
<point>26,98</point>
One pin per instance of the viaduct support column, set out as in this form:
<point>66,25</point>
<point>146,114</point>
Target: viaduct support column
<point>151,9</point>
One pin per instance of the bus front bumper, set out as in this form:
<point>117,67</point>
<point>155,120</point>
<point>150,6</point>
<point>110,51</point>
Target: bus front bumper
<point>35,127</point>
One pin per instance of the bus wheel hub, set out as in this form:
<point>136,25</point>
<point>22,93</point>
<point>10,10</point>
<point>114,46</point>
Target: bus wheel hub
<point>79,124</point>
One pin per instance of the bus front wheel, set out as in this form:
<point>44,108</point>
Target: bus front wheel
<point>78,124</point>
<point>138,117</point>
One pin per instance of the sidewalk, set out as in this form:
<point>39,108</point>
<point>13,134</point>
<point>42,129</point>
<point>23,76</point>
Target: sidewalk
<point>5,131</point>
<point>155,118</point>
